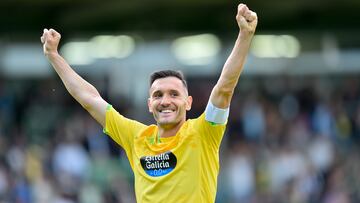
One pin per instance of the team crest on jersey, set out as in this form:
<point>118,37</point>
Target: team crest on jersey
<point>159,165</point>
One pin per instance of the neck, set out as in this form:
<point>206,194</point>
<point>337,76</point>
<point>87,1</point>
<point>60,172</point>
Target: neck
<point>168,131</point>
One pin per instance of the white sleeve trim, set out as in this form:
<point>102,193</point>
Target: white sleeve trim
<point>215,114</point>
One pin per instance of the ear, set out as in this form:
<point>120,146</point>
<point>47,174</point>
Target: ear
<point>189,101</point>
<point>149,105</point>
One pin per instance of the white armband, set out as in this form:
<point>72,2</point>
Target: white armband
<point>216,115</point>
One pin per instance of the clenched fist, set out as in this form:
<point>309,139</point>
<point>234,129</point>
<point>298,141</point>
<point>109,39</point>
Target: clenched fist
<point>50,40</point>
<point>246,19</point>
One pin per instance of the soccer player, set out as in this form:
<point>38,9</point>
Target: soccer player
<point>176,160</point>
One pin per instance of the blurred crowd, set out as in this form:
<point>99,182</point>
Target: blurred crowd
<point>288,140</point>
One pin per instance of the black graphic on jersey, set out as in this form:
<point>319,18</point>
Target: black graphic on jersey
<point>159,165</point>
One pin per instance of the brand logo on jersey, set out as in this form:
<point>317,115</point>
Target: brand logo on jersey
<point>159,165</point>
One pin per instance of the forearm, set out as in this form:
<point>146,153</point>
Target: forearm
<point>223,90</point>
<point>234,64</point>
<point>79,88</point>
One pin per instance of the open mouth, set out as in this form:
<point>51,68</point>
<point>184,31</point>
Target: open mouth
<point>166,111</point>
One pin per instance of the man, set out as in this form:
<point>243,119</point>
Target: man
<point>176,160</point>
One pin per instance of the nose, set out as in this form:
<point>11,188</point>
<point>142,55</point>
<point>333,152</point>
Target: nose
<point>165,101</point>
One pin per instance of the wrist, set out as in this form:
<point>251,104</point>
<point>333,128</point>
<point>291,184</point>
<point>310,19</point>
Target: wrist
<point>245,38</point>
<point>51,54</point>
<point>245,35</point>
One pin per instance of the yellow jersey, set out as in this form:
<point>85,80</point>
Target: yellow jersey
<point>181,168</point>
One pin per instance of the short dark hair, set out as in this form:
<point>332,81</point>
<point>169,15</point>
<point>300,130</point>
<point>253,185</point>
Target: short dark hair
<point>167,73</point>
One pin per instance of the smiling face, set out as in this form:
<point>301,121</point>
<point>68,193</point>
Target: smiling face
<point>169,102</point>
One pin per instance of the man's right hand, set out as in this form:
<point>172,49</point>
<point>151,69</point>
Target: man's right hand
<point>50,40</point>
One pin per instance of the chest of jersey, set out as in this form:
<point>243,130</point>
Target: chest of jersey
<point>173,166</point>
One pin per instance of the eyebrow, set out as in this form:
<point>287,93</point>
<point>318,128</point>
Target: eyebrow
<point>176,91</point>
<point>159,91</point>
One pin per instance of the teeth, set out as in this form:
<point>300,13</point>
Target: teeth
<point>166,111</point>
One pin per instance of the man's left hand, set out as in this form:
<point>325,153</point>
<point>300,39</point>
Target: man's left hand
<point>246,19</point>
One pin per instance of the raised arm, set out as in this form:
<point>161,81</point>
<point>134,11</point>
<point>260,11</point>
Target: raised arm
<point>81,90</point>
<point>222,93</point>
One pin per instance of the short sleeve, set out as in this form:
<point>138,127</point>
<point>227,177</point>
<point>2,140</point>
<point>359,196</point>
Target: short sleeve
<point>210,133</point>
<point>122,130</point>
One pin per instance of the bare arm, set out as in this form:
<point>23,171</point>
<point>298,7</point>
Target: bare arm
<point>222,93</point>
<point>81,90</point>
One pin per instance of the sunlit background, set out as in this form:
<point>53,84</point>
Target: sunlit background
<point>293,134</point>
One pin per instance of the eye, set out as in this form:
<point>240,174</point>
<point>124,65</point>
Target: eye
<point>174,94</point>
<point>157,95</point>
